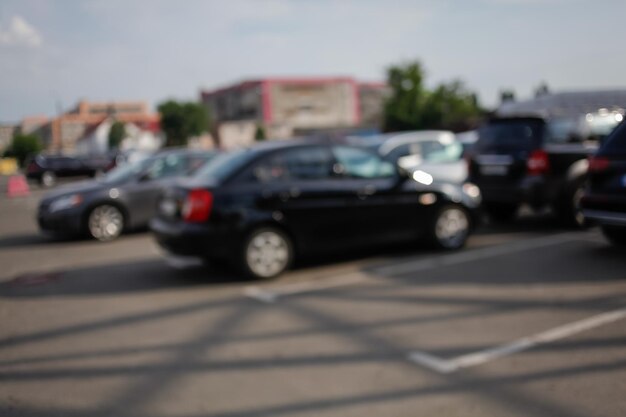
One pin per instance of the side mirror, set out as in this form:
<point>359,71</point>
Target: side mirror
<point>144,177</point>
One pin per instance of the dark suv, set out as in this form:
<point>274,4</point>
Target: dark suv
<point>260,207</point>
<point>536,161</point>
<point>605,198</point>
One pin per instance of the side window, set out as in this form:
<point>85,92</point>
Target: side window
<point>399,152</point>
<point>168,166</point>
<point>310,163</point>
<point>358,163</point>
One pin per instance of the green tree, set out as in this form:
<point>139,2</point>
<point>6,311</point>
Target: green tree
<point>24,145</point>
<point>116,134</point>
<point>411,106</point>
<point>259,133</point>
<point>181,120</point>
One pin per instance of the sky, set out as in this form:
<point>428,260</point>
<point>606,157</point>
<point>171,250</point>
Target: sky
<point>56,52</point>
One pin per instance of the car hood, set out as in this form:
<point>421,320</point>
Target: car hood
<point>82,187</point>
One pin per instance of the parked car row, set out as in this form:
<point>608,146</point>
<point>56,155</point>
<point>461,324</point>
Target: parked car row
<point>262,207</point>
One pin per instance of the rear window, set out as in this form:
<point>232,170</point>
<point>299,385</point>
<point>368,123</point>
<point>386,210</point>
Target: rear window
<point>224,165</point>
<point>523,134</point>
<point>616,142</point>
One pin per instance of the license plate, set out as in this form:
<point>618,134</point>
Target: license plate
<point>494,169</point>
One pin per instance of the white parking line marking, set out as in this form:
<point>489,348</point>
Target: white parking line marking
<point>445,366</point>
<point>275,292</point>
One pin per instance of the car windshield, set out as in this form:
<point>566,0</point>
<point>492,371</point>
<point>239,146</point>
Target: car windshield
<point>127,171</point>
<point>224,165</point>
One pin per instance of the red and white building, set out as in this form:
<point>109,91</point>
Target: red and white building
<point>286,107</point>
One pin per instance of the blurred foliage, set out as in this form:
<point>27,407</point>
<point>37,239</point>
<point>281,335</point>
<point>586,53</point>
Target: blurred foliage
<point>181,120</point>
<point>411,106</point>
<point>24,146</point>
<point>116,134</point>
<point>259,133</point>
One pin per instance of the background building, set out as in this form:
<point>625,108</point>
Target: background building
<point>62,133</point>
<point>286,107</point>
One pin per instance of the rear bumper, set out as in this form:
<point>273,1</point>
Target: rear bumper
<point>536,191</point>
<point>612,218</point>
<point>188,239</point>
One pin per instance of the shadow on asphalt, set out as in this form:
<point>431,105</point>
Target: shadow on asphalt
<point>132,277</point>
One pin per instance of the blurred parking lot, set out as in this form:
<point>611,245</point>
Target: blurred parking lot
<point>528,320</point>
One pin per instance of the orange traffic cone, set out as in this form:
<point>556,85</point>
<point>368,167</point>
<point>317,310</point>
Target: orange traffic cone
<point>17,186</point>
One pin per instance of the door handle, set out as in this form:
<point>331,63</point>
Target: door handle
<point>292,193</point>
<point>366,191</point>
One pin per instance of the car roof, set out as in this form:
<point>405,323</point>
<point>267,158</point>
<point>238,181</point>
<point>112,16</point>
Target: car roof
<point>398,139</point>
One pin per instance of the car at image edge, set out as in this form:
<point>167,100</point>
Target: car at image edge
<point>604,201</point>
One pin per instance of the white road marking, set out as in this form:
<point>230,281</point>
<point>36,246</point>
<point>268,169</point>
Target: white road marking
<point>446,366</point>
<point>274,292</point>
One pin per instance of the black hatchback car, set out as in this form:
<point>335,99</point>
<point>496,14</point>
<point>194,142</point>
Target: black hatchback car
<point>259,208</point>
<point>605,199</point>
<point>124,199</point>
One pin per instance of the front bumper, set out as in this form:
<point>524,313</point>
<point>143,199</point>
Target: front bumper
<point>67,222</point>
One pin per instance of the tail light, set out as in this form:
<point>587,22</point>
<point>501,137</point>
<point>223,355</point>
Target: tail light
<point>538,163</point>
<point>197,206</point>
<point>598,164</point>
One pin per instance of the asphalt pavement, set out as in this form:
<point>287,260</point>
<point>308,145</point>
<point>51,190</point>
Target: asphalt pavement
<point>528,320</point>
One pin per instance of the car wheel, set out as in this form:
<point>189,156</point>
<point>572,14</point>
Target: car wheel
<point>501,213</point>
<point>267,252</point>
<point>48,179</point>
<point>615,234</point>
<point>450,228</point>
<point>105,222</point>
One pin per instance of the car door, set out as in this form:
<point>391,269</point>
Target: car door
<point>381,207</point>
<point>296,186</point>
<point>142,193</point>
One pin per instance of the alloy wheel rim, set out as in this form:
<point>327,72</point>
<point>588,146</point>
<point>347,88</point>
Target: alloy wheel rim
<point>106,222</point>
<point>579,217</point>
<point>451,227</point>
<point>267,254</point>
<point>48,179</point>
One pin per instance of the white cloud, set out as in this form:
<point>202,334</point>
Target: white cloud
<point>19,33</point>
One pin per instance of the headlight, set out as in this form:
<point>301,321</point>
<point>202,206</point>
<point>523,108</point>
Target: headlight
<point>471,190</point>
<point>65,202</point>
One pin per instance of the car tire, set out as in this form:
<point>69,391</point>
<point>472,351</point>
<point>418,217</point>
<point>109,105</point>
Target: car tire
<point>450,228</point>
<point>615,234</point>
<point>501,213</point>
<point>266,253</point>
<point>48,179</point>
<point>105,222</point>
<point>570,211</point>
